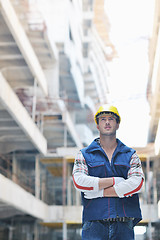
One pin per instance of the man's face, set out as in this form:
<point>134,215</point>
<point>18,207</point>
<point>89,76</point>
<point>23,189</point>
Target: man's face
<point>107,125</point>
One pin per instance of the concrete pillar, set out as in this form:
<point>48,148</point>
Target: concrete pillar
<point>148,180</point>
<point>36,235</point>
<point>64,181</point>
<point>77,198</point>
<point>43,188</point>
<point>37,177</point>
<point>52,76</point>
<point>69,184</point>
<point>34,101</point>
<point>149,231</point>
<point>65,136</point>
<point>10,233</point>
<point>149,198</point>
<point>155,200</point>
<point>14,169</point>
<point>64,231</point>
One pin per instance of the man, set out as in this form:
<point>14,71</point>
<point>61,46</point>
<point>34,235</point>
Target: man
<point>109,175</point>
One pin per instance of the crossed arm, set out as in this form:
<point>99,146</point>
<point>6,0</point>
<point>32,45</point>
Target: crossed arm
<point>94,187</point>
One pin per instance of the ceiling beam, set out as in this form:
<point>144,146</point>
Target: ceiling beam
<point>21,116</point>
<point>23,43</point>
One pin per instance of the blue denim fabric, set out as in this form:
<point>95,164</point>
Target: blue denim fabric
<point>95,230</point>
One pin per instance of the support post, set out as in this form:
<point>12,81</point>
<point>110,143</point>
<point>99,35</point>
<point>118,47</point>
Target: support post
<point>37,178</point>
<point>64,181</point>
<point>10,234</point>
<point>14,168</point>
<point>149,199</point>
<point>64,231</point>
<point>69,185</point>
<point>36,235</point>
<point>34,100</point>
<point>148,180</point>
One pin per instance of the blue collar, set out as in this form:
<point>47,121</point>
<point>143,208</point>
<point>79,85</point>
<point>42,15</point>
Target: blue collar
<point>95,146</point>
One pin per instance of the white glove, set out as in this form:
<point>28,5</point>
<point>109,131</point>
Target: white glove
<point>97,194</point>
<point>117,180</point>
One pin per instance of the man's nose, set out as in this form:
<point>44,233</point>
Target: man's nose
<point>107,120</point>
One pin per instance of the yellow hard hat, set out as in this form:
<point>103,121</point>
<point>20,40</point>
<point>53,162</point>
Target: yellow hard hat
<point>107,109</point>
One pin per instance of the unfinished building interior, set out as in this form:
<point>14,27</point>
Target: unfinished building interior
<point>54,75</point>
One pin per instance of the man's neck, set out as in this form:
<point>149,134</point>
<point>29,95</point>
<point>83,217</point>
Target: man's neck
<point>108,142</point>
<point>109,145</point>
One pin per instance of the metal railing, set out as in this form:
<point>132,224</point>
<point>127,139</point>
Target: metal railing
<point>20,178</point>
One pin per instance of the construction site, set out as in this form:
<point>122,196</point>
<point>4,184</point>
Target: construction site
<point>54,75</point>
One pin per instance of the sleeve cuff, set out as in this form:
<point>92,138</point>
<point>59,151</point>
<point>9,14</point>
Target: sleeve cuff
<point>96,184</point>
<point>119,194</point>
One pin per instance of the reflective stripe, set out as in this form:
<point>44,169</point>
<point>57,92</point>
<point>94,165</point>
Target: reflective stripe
<point>135,190</point>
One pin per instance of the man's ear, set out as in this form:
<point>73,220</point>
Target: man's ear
<point>117,126</point>
<point>97,126</point>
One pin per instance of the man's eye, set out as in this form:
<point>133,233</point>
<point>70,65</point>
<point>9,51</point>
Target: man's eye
<point>111,119</point>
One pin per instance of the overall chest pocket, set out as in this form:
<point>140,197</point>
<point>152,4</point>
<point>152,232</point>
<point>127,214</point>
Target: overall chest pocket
<point>97,169</point>
<point>121,169</point>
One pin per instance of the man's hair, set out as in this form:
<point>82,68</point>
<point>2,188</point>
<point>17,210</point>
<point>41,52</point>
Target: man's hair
<point>115,116</point>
